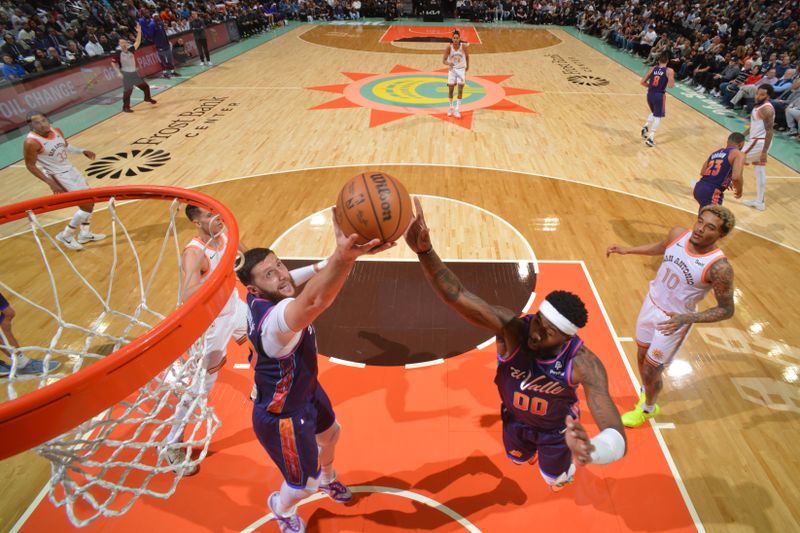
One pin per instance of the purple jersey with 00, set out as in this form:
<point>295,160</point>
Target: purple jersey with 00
<point>283,385</point>
<point>536,392</point>
<point>718,170</point>
<point>657,80</point>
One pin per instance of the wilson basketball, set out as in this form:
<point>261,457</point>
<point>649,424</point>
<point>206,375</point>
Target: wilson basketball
<point>375,205</point>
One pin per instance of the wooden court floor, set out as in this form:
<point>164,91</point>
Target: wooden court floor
<point>571,177</point>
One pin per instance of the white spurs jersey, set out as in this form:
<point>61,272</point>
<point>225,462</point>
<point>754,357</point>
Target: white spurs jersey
<point>757,128</point>
<point>213,257</point>
<point>682,280</point>
<point>53,155</point>
<point>457,58</point>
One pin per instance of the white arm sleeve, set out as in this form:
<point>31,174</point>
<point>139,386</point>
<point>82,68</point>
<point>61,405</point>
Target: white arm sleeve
<point>277,338</point>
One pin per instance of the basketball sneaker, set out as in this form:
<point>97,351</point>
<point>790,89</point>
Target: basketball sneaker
<point>650,142</point>
<point>68,241</point>
<point>337,491</point>
<point>176,457</point>
<point>5,370</point>
<point>755,204</point>
<point>637,417</point>
<point>287,524</point>
<point>84,237</point>
<point>450,112</point>
<point>644,132</point>
<point>457,114</point>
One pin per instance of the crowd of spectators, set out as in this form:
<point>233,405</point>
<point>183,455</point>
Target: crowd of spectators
<point>560,12</point>
<point>42,35</point>
<point>722,48</point>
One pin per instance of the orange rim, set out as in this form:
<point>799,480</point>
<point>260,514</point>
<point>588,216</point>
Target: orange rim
<point>57,408</point>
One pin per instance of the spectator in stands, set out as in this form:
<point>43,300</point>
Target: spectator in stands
<point>52,59</point>
<point>749,91</point>
<point>54,39</point>
<point>12,71</point>
<point>728,74</point>
<point>792,116</point>
<point>93,47</point>
<point>74,54</point>
<point>784,65</point>
<point>782,104</point>
<point>12,47</point>
<point>106,43</point>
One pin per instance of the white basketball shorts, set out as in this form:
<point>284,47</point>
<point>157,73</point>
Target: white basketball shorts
<point>71,180</point>
<point>660,348</point>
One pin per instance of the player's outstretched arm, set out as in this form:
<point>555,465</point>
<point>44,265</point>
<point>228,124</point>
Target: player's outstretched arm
<point>721,277</point>
<point>447,285</point>
<point>610,444</point>
<point>653,248</point>
<point>322,289</point>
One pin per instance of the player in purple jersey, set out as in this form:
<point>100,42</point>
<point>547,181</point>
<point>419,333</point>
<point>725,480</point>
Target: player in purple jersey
<point>292,416</point>
<point>721,171</point>
<point>656,80</point>
<point>541,362</point>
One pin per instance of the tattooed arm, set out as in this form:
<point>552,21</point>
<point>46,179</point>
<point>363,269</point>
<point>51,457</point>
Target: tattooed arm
<point>447,285</point>
<point>588,370</point>
<point>721,277</point>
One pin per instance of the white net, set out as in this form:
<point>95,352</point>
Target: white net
<point>76,308</point>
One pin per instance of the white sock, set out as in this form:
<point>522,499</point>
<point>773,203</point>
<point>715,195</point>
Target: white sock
<point>647,408</point>
<point>649,121</point>
<point>656,122</point>
<point>85,229</point>
<point>451,103</point>
<point>176,434</point>
<point>761,183</point>
<point>458,104</point>
<point>289,498</point>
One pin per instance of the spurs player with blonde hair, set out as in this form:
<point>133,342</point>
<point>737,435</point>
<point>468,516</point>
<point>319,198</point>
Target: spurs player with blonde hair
<point>456,57</point>
<point>45,151</point>
<point>692,266</point>
<point>762,120</point>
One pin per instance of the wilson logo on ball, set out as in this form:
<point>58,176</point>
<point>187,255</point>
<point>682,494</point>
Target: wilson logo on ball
<point>373,205</point>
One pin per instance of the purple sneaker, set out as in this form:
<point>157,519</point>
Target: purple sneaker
<point>287,524</point>
<point>338,491</point>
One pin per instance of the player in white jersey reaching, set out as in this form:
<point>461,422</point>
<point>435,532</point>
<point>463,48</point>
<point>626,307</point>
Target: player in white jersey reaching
<point>456,57</point>
<point>762,120</point>
<point>45,151</point>
<point>200,257</point>
<point>692,266</point>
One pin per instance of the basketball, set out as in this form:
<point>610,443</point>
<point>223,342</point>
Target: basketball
<point>375,205</point>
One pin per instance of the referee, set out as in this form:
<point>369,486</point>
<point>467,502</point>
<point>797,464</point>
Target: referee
<point>125,64</point>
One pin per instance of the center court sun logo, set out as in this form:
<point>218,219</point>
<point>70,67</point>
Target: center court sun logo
<point>405,91</point>
<point>128,164</point>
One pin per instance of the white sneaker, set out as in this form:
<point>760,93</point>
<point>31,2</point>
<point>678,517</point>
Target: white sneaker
<point>450,112</point>
<point>83,238</point>
<point>457,114</point>
<point>755,204</point>
<point>209,64</point>
<point>176,457</point>
<point>68,241</point>
<point>650,142</point>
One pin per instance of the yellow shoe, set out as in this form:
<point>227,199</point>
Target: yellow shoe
<point>637,417</point>
<point>640,403</point>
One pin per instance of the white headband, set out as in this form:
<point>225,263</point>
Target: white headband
<point>557,319</point>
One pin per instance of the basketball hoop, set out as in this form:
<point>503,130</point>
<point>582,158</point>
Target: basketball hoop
<point>128,388</point>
